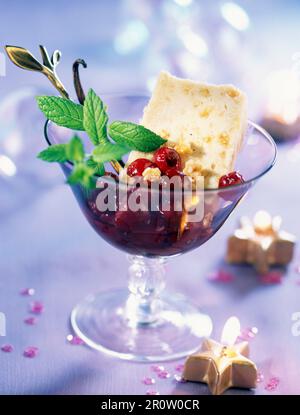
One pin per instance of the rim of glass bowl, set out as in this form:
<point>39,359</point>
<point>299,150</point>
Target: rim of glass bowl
<point>250,124</point>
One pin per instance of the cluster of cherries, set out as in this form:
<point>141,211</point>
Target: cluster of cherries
<point>165,158</point>
<point>169,163</point>
<point>158,232</point>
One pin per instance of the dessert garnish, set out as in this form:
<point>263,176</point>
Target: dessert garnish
<point>167,158</point>
<point>188,128</point>
<point>25,60</point>
<point>92,118</point>
<point>138,166</point>
<point>231,179</point>
<point>89,116</point>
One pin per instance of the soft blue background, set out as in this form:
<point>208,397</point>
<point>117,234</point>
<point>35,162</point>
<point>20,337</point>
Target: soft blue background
<point>45,242</point>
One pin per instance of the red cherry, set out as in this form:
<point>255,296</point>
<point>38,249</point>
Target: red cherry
<point>173,172</point>
<point>137,167</point>
<point>231,179</point>
<point>167,158</point>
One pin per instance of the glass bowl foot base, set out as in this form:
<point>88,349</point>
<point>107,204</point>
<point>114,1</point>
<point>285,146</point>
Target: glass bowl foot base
<point>102,322</point>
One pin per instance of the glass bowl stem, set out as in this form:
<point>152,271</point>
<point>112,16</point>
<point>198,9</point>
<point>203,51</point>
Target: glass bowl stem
<point>146,282</point>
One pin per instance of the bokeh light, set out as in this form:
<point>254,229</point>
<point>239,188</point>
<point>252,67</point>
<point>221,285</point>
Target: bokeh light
<point>131,38</point>
<point>235,15</point>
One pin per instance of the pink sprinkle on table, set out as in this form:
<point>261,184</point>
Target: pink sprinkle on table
<point>179,367</point>
<point>248,334</point>
<point>31,352</point>
<point>37,307</point>
<point>272,384</point>
<point>74,340</point>
<point>163,374</point>
<point>148,381</point>
<point>152,392</point>
<point>7,348</point>
<point>157,368</point>
<point>273,277</point>
<point>31,321</point>
<point>27,291</point>
<point>221,276</point>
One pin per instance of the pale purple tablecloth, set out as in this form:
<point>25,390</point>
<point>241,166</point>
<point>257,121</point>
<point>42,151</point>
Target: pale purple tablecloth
<point>46,243</point>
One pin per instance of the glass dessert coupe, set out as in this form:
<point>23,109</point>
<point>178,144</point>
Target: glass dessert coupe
<point>143,323</point>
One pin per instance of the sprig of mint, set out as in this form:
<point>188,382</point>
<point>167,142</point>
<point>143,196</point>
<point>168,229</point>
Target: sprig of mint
<point>73,151</point>
<point>62,111</point>
<point>82,174</point>
<point>108,151</point>
<point>54,154</point>
<point>92,118</point>
<point>95,118</point>
<point>135,136</point>
<point>59,153</point>
<point>84,168</point>
<point>98,168</point>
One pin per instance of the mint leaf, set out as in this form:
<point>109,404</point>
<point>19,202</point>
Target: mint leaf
<point>135,136</point>
<point>98,168</point>
<point>56,153</point>
<point>95,118</point>
<point>82,174</point>
<point>62,111</point>
<point>108,151</point>
<point>75,149</point>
